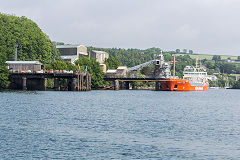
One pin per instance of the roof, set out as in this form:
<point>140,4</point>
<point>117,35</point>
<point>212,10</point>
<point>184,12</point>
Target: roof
<point>71,56</point>
<point>23,62</point>
<point>111,71</point>
<point>101,52</point>
<point>122,67</point>
<point>68,46</point>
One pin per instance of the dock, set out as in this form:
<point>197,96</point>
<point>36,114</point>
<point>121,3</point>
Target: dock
<point>79,81</point>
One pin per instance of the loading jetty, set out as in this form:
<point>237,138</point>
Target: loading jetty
<point>79,81</point>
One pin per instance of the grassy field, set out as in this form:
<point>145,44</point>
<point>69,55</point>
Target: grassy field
<point>208,57</point>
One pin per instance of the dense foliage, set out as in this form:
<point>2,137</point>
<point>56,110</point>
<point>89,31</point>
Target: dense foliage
<point>93,67</point>
<point>237,84</point>
<point>113,63</point>
<point>3,70</point>
<point>33,44</point>
<point>60,65</point>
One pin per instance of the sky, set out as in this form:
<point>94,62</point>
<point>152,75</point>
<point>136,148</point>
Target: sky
<point>204,26</point>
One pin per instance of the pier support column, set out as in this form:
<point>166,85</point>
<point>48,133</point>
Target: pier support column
<point>43,84</point>
<point>56,84</point>
<point>24,83</point>
<point>73,84</point>
<point>157,86</point>
<point>116,85</point>
<point>127,85</point>
<point>89,82</point>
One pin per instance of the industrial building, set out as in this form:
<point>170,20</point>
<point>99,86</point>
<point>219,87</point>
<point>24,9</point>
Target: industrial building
<point>100,56</point>
<point>25,66</point>
<point>71,53</point>
<point>120,72</point>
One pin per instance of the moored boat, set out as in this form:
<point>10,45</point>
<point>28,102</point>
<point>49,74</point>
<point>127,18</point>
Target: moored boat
<point>194,79</point>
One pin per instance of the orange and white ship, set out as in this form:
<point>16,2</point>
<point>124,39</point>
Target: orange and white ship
<point>194,78</point>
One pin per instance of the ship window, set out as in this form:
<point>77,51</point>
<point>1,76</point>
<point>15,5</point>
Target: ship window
<point>175,86</point>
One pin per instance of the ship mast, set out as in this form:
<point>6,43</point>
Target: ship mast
<point>174,66</point>
<point>196,64</point>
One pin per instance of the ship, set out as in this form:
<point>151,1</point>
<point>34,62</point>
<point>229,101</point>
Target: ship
<point>194,78</point>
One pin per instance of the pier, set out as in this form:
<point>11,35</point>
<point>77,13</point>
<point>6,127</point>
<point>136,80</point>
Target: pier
<point>79,81</point>
<point>125,83</point>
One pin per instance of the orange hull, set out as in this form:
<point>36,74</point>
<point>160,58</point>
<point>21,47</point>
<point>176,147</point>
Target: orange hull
<point>180,85</point>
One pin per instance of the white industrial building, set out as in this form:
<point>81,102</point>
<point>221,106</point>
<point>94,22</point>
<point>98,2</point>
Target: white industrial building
<point>71,53</point>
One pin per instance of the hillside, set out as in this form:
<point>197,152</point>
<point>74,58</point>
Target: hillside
<point>33,44</point>
<point>209,57</point>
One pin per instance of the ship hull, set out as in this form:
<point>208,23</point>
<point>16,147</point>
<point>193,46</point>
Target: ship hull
<point>180,85</point>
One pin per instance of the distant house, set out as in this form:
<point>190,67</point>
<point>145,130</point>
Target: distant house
<point>100,56</point>
<point>71,53</point>
<point>212,77</point>
<point>25,66</point>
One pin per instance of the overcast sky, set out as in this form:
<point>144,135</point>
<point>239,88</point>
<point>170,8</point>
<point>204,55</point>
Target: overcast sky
<point>205,26</point>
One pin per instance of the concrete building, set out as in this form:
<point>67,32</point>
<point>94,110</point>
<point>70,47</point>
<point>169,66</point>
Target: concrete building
<point>120,72</point>
<point>100,56</point>
<point>103,67</point>
<point>71,53</point>
<point>25,66</point>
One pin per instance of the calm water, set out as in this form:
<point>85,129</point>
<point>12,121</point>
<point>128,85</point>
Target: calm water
<point>120,125</point>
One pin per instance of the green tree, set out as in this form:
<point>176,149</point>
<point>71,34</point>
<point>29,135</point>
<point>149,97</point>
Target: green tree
<point>113,63</point>
<point>4,73</point>
<point>94,69</point>
<point>56,65</point>
<point>236,85</point>
<point>216,58</point>
<point>33,44</point>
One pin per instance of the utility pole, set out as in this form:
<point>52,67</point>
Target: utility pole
<point>16,46</point>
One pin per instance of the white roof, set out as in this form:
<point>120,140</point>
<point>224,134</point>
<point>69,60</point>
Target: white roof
<point>69,57</point>
<point>23,62</point>
<point>69,46</point>
<point>101,52</point>
<point>111,71</point>
<point>122,67</point>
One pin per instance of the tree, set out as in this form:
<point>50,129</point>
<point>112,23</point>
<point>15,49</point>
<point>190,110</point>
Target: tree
<point>33,44</point>
<point>228,68</point>
<point>238,58</point>
<point>190,51</point>
<point>4,73</point>
<point>236,85</point>
<point>184,50</point>
<point>113,63</point>
<point>178,51</point>
<point>93,67</point>
<point>216,58</point>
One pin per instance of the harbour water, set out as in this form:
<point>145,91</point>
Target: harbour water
<point>120,125</point>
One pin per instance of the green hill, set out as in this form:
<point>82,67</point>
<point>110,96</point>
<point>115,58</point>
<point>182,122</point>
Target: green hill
<point>208,57</point>
<point>33,44</point>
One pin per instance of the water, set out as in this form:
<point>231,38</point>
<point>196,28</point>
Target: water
<point>120,125</point>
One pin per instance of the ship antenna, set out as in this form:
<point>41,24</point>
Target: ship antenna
<point>173,65</point>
